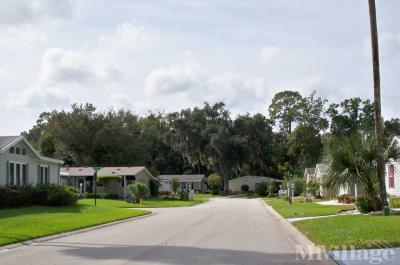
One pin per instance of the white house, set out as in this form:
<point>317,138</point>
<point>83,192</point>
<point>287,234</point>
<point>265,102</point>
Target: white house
<point>21,164</point>
<point>235,185</point>
<point>392,175</point>
<point>196,182</point>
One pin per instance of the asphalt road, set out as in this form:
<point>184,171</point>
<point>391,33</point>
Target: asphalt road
<point>222,231</point>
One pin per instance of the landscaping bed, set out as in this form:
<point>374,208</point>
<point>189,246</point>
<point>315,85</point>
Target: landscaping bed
<point>304,209</point>
<point>37,221</point>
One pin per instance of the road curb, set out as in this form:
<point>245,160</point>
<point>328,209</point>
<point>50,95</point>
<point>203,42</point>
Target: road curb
<point>70,233</point>
<point>296,238</point>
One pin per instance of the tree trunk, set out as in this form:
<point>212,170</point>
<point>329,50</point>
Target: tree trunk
<point>377,101</point>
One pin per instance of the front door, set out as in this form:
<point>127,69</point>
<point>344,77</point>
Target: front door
<point>80,185</point>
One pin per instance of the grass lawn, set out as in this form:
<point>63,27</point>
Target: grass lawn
<point>37,221</point>
<point>303,209</point>
<point>352,230</point>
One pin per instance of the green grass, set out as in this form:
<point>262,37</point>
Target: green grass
<point>303,209</point>
<point>38,221</point>
<point>352,230</point>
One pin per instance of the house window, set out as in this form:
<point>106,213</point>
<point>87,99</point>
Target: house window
<point>12,150</point>
<point>44,175</point>
<point>391,176</point>
<point>17,150</point>
<point>23,151</point>
<point>18,173</point>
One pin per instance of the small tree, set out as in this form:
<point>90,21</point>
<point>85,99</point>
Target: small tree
<point>313,187</point>
<point>139,191</point>
<point>174,185</point>
<point>214,182</point>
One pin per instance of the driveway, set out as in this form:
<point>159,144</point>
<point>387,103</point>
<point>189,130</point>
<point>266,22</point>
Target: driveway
<point>233,231</point>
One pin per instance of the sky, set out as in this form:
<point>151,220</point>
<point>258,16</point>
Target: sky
<point>145,55</point>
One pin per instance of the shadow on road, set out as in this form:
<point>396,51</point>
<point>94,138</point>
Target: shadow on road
<point>172,254</point>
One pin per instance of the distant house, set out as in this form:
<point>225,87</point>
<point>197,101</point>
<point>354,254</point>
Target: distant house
<point>392,175</point>
<point>309,174</point>
<point>21,164</point>
<point>318,173</point>
<point>111,179</point>
<point>196,182</point>
<point>235,185</point>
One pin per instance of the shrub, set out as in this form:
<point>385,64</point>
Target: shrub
<point>139,191</point>
<point>262,189</point>
<point>53,195</point>
<point>394,202</point>
<point>111,196</point>
<point>364,204</point>
<point>245,188</point>
<point>313,187</point>
<point>272,195</point>
<point>299,186</point>
<point>58,195</point>
<point>174,185</point>
<point>184,195</point>
<point>214,183</point>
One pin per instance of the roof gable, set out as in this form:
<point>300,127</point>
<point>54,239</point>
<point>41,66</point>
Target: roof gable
<point>8,141</point>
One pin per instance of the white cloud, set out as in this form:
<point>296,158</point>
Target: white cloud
<point>270,54</point>
<point>128,35</point>
<point>189,84</point>
<point>78,66</point>
<point>19,12</point>
<point>175,79</point>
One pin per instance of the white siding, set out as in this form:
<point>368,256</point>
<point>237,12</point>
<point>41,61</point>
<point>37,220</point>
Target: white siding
<point>396,190</point>
<point>31,159</point>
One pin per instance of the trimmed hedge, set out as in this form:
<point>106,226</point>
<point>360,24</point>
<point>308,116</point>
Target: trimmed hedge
<point>51,195</point>
<point>102,195</point>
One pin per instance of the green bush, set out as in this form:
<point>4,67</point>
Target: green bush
<point>139,191</point>
<point>214,182</point>
<point>245,188</point>
<point>262,189</point>
<point>59,195</point>
<point>111,196</point>
<point>184,195</point>
<point>394,202</point>
<point>364,205</point>
<point>53,195</point>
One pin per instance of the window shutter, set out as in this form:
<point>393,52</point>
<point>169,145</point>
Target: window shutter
<point>38,175</point>
<point>27,174</point>
<point>48,174</point>
<point>7,173</point>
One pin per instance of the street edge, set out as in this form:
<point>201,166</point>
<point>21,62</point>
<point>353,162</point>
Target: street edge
<point>295,237</point>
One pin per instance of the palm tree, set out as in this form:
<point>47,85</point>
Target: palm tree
<point>353,160</point>
<point>377,101</point>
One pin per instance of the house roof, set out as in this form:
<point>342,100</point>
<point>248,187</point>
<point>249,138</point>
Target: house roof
<point>183,178</point>
<point>310,171</point>
<point>104,171</point>
<point>7,141</point>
